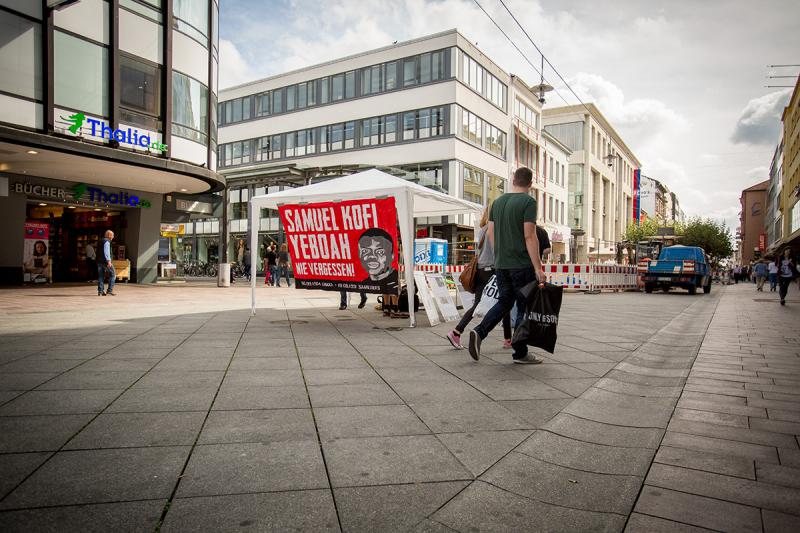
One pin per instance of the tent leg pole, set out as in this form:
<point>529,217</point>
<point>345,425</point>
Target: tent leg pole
<point>405,210</point>
<point>254,217</point>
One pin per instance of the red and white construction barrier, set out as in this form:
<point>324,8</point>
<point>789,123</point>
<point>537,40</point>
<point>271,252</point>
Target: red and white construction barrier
<point>585,277</point>
<point>569,276</point>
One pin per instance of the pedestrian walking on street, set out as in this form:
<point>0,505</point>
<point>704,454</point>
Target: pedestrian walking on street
<point>484,274</point>
<point>270,265</point>
<point>737,274</point>
<point>760,271</point>
<point>512,234</point>
<point>787,271</point>
<point>104,265</point>
<point>247,263</point>
<point>773,275</point>
<point>283,265</point>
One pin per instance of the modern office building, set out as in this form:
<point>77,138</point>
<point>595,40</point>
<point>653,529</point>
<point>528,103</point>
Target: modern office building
<point>107,121</point>
<point>601,179</point>
<point>434,110</point>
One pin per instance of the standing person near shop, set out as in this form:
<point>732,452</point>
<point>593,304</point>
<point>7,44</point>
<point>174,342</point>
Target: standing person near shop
<point>283,265</point>
<point>760,271</point>
<point>773,274</point>
<point>247,263</point>
<point>104,265</point>
<point>484,274</point>
<point>270,264</point>
<point>512,233</point>
<point>91,261</point>
<point>787,271</point>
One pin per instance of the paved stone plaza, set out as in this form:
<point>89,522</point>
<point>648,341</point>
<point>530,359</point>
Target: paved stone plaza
<point>172,409</point>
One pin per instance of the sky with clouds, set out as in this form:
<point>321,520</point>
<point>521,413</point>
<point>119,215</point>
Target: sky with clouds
<point>683,81</point>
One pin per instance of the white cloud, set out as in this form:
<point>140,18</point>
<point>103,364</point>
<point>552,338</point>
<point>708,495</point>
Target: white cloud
<point>760,121</point>
<point>640,121</point>
<point>674,106</point>
<point>233,69</point>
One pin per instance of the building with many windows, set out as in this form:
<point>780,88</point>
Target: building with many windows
<point>107,121</point>
<point>601,184</point>
<point>790,190</point>
<point>751,222</point>
<point>549,159</point>
<point>773,219</point>
<point>434,110</point>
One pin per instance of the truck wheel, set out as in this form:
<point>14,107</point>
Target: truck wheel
<point>707,289</point>
<point>648,288</point>
<point>692,290</point>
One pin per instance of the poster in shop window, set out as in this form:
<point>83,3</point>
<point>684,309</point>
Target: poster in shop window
<point>36,254</point>
<point>349,245</point>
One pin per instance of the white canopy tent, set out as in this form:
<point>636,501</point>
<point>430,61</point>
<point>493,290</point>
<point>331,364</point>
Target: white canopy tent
<point>412,201</point>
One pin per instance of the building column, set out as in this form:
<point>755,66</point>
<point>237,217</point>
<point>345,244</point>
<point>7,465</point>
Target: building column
<point>144,230</point>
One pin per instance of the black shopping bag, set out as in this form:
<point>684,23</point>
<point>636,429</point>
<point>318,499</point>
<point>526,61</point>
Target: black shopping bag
<point>539,323</point>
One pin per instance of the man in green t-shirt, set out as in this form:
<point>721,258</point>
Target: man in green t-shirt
<point>512,232</point>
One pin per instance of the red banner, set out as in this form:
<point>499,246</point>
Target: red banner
<point>350,245</point>
<point>762,242</point>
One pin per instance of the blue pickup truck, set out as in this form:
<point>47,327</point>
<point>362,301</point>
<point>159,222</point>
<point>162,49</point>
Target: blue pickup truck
<point>685,267</point>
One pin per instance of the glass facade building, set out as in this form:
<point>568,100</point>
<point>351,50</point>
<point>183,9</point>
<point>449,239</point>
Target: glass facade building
<point>110,95</point>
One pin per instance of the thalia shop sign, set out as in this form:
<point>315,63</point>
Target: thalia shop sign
<point>80,125</point>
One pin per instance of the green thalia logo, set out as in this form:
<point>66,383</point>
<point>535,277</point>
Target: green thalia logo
<point>101,129</point>
<point>77,122</point>
<point>96,194</point>
<point>78,190</point>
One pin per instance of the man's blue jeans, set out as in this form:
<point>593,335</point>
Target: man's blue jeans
<point>102,268</point>
<point>509,282</point>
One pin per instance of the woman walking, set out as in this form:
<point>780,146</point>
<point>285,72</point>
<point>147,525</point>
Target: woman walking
<point>283,265</point>
<point>484,274</point>
<point>787,271</point>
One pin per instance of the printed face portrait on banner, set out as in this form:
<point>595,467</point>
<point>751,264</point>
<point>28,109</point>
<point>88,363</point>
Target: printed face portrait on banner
<point>376,252</point>
<point>349,245</point>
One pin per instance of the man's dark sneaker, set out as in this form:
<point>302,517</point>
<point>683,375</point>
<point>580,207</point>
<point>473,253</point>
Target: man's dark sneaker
<point>101,294</point>
<point>783,302</point>
<point>474,345</point>
<point>527,360</point>
<point>111,293</point>
<point>342,307</point>
<point>362,303</point>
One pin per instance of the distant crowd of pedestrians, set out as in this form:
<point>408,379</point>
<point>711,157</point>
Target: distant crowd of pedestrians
<point>780,271</point>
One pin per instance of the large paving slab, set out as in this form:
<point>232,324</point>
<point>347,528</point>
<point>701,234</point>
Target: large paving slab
<point>177,404</point>
<point>729,459</point>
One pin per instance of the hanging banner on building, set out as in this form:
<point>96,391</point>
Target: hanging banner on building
<point>350,245</point>
<point>36,252</point>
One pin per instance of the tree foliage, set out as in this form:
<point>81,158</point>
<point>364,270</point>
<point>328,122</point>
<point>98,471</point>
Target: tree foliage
<point>641,231</point>
<point>710,235</point>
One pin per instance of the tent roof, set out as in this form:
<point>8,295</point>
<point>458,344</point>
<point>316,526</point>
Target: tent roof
<point>370,184</point>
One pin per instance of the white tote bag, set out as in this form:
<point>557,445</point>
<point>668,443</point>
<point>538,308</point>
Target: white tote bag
<point>488,298</point>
